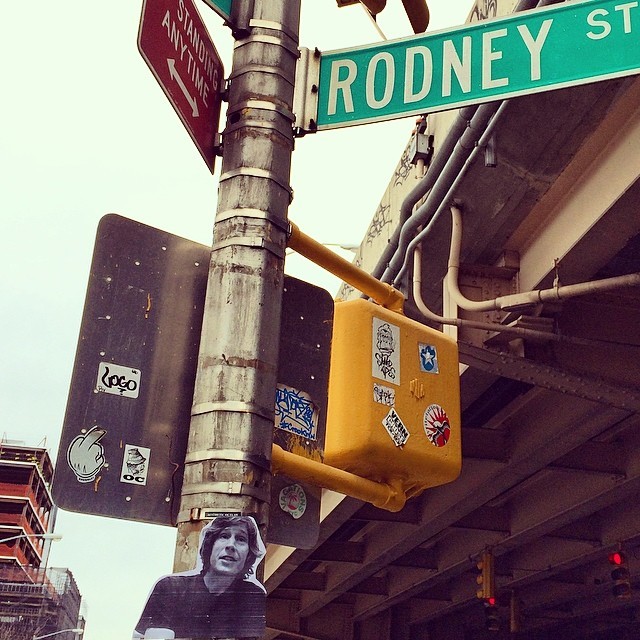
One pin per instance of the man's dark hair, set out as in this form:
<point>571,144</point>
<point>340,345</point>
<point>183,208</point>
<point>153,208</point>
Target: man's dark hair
<point>213,533</point>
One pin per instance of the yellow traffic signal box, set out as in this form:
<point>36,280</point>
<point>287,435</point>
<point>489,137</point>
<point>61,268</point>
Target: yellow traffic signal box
<point>394,399</point>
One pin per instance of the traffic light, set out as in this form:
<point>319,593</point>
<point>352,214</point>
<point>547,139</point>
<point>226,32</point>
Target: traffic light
<point>491,616</point>
<point>486,579</point>
<point>374,7</point>
<point>620,575</point>
<point>418,13</point>
<point>417,10</point>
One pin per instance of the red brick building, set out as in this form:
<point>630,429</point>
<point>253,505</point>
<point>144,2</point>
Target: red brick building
<point>26,505</point>
<point>34,599</point>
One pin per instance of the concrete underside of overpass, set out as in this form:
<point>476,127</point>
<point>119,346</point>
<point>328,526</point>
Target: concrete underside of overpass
<point>550,429</point>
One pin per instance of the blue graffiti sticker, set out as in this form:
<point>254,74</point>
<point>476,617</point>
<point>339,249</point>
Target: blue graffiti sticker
<point>296,413</point>
<point>428,358</point>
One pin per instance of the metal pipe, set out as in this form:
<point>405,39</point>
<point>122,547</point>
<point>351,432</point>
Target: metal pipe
<point>383,293</point>
<point>447,197</point>
<point>425,184</point>
<point>441,187</point>
<point>527,298</point>
<point>444,167</point>
<point>518,332</point>
<point>381,495</point>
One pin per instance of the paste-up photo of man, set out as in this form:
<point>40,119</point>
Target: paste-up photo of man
<point>221,597</point>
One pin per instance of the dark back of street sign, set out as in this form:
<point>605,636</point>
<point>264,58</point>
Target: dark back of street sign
<point>125,430</point>
<point>126,424</point>
<point>176,45</point>
<point>301,407</point>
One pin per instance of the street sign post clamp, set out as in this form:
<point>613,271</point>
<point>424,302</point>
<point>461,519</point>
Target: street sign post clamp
<point>261,123</point>
<point>257,173</point>
<point>275,26</point>
<point>254,243</point>
<point>256,214</point>
<point>232,406</point>
<point>227,488</point>
<point>218,144</point>
<point>263,105</point>
<point>228,454</point>
<point>285,43</point>
<point>305,95</point>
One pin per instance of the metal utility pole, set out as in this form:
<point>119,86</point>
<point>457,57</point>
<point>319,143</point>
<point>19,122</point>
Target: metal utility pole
<point>227,467</point>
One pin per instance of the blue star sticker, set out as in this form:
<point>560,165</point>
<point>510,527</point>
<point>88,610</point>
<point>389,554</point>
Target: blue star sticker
<point>428,358</point>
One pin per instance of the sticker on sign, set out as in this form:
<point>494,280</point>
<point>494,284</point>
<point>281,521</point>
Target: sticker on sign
<point>176,46</point>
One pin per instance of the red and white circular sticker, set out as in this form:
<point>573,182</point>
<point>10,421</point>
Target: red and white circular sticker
<point>437,425</point>
<point>293,500</point>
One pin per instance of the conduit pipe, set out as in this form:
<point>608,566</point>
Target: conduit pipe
<point>444,166</point>
<point>518,332</point>
<point>437,165</point>
<point>448,196</point>
<point>528,298</point>
<point>381,495</point>
<point>384,294</point>
<point>441,187</point>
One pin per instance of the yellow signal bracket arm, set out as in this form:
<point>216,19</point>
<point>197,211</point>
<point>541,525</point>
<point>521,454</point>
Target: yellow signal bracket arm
<point>379,494</point>
<point>381,292</point>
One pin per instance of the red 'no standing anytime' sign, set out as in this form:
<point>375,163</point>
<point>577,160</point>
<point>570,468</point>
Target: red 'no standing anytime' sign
<point>179,51</point>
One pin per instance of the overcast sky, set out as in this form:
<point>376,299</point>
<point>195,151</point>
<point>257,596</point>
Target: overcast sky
<point>86,131</point>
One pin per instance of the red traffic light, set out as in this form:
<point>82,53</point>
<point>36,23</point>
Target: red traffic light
<point>620,575</point>
<point>491,615</point>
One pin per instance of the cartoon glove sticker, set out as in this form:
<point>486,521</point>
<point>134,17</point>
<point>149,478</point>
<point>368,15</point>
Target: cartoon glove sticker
<point>85,454</point>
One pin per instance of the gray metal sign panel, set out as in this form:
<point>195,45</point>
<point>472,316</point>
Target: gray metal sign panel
<point>125,429</point>
<point>127,419</point>
<point>301,408</point>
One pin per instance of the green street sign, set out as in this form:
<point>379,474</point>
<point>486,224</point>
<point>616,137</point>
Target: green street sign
<point>527,52</point>
<point>221,7</point>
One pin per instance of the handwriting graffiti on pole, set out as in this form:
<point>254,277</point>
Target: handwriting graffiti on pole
<point>295,412</point>
<point>386,351</point>
<point>118,380</point>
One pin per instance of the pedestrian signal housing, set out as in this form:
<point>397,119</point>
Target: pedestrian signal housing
<point>394,399</point>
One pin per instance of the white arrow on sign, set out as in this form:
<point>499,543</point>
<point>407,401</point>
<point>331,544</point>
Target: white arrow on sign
<point>176,76</point>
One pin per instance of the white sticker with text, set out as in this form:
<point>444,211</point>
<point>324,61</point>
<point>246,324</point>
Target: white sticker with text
<point>118,380</point>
